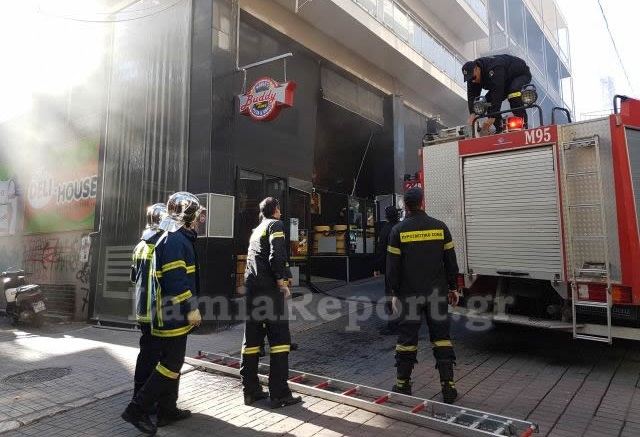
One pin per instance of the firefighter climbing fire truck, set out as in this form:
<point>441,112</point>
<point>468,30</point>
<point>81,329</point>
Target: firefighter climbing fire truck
<point>545,221</point>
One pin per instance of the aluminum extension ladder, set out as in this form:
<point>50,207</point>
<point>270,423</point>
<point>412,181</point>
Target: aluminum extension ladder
<point>584,195</point>
<point>431,414</point>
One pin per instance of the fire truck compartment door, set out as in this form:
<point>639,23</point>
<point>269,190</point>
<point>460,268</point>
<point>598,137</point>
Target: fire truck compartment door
<point>512,223</point>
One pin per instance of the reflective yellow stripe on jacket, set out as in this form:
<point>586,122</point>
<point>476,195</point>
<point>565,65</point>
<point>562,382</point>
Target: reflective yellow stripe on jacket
<point>394,250</point>
<point>171,332</point>
<point>181,297</point>
<point>276,235</point>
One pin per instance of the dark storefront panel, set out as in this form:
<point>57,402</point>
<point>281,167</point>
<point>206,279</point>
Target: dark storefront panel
<point>415,128</point>
<point>144,145</point>
<point>282,147</point>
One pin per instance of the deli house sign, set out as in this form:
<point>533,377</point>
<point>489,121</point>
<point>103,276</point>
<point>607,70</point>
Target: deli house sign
<point>265,98</point>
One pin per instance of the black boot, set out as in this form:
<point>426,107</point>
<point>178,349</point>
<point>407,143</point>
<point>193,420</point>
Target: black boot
<point>176,415</point>
<point>258,395</point>
<point>402,386</point>
<point>138,418</point>
<point>285,401</point>
<point>449,392</point>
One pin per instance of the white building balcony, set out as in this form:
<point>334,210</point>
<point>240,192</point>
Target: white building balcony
<point>466,19</point>
<point>387,35</point>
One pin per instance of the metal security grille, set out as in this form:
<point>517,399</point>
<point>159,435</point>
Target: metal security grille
<point>511,214</point>
<point>117,272</point>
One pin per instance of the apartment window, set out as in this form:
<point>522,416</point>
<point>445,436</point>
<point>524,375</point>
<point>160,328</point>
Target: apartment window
<point>400,22</point>
<point>515,11</point>
<point>497,24</point>
<point>553,72</point>
<point>387,12</point>
<point>370,6</point>
<point>535,42</point>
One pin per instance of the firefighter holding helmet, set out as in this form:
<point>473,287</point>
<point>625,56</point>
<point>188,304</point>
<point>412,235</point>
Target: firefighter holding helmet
<point>174,313</point>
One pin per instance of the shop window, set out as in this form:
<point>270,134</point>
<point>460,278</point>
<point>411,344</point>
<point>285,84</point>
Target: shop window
<point>249,195</point>
<point>298,224</point>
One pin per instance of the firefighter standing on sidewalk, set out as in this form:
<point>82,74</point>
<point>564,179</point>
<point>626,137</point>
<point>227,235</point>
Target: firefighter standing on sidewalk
<point>504,76</point>
<point>393,216</point>
<point>422,271</point>
<point>266,309</point>
<point>174,313</point>
<point>149,354</point>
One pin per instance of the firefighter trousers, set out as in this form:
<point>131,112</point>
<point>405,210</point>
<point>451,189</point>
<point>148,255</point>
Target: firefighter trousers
<point>514,95</point>
<point>148,357</point>
<point>163,384</point>
<point>274,325</point>
<point>412,310</point>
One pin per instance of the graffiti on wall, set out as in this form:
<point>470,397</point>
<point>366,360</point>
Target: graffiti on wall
<point>54,257</point>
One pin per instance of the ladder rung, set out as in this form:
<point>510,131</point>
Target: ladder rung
<point>421,406</point>
<point>582,173</point>
<point>382,399</point>
<point>322,385</point>
<point>479,421</point>
<point>592,272</point>
<point>586,205</point>
<point>454,418</point>
<point>350,391</point>
<point>590,303</point>
<point>592,338</point>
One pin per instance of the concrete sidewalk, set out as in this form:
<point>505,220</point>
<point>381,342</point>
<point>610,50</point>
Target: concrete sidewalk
<point>217,406</point>
<point>100,362</point>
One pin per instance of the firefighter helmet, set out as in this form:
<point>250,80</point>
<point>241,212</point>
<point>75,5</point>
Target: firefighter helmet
<point>183,208</point>
<point>155,214</point>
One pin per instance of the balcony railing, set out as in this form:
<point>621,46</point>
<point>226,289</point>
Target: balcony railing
<point>480,8</point>
<point>393,16</point>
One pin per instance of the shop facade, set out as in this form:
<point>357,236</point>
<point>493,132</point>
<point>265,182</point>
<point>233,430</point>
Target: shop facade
<point>169,118</point>
<point>327,156</point>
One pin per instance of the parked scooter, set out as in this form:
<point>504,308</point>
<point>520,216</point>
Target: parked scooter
<point>20,301</point>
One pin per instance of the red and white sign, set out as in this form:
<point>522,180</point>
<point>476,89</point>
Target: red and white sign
<point>511,140</point>
<point>265,98</point>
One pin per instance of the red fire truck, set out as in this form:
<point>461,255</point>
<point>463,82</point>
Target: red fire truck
<point>545,222</point>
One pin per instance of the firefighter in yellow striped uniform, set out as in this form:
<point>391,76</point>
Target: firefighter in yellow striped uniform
<point>174,313</point>
<point>422,271</point>
<point>266,277</point>
<point>140,275</point>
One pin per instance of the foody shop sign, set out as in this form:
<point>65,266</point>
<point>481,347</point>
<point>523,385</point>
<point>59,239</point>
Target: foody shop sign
<point>265,98</point>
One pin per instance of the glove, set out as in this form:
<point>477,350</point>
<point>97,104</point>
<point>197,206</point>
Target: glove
<point>454,297</point>
<point>194,318</point>
<point>395,305</point>
<point>285,290</point>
